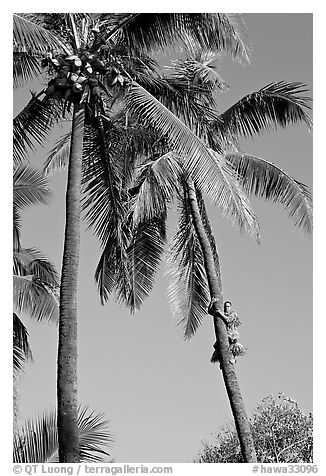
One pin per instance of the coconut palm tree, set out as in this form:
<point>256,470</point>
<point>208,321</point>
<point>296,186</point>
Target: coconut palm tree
<point>81,79</point>
<point>37,440</point>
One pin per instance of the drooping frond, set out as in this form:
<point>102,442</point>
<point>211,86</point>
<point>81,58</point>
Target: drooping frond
<point>219,31</point>
<point>25,67</point>
<point>33,124</point>
<point>35,289</point>
<point>238,43</point>
<point>105,210</point>
<point>30,36</point>
<point>21,347</point>
<point>188,290</point>
<point>144,253</point>
<point>37,440</point>
<point>30,186</point>
<point>276,105</point>
<point>16,229</point>
<point>94,436</point>
<point>200,68</point>
<point>59,156</point>
<point>208,169</point>
<point>156,184</point>
<point>265,180</point>
<point>31,261</point>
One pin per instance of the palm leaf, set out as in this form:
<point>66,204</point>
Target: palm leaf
<point>94,436</point>
<point>30,36</point>
<point>33,124</point>
<point>199,68</point>
<point>208,169</point>
<point>16,229</point>
<point>277,104</point>
<point>29,187</point>
<point>156,184</point>
<point>144,254</point>
<point>25,67</point>
<point>220,31</point>
<point>37,441</point>
<point>265,180</point>
<point>188,290</point>
<point>105,210</point>
<point>35,286</point>
<point>59,155</point>
<point>22,350</point>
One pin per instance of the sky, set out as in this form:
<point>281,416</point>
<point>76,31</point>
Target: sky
<point>162,394</point>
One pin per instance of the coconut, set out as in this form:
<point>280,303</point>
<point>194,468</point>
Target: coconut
<point>81,79</point>
<point>88,68</point>
<point>73,77</point>
<point>77,88</point>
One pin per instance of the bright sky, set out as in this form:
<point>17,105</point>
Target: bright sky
<point>162,394</point>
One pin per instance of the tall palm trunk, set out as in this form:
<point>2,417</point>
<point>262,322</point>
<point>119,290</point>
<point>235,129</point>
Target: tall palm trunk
<point>215,288</point>
<point>67,347</point>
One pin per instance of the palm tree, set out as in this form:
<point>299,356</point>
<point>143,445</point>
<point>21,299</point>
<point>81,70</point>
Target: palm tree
<point>37,440</point>
<point>91,67</point>
<point>35,280</point>
<point>197,277</point>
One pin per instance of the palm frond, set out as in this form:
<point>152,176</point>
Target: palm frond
<point>200,68</point>
<point>25,67</point>
<point>156,184</point>
<point>276,105</point>
<point>208,169</point>
<point>221,32</point>
<point>59,155</point>
<point>30,187</point>
<point>188,290</point>
<point>36,285</point>
<point>144,254</point>
<point>30,36</point>
<point>105,209</point>
<point>18,365</point>
<point>37,440</point>
<point>33,124</point>
<point>94,436</point>
<point>238,43</point>
<point>192,102</point>
<point>16,229</point>
<point>265,180</point>
<point>20,339</point>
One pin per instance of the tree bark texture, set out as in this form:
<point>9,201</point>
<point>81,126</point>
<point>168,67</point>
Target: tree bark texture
<point>67,347</point>
<point>215,287</point>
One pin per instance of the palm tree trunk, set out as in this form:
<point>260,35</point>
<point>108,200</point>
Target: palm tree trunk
<point>215,287</point>
<point>67,346</point>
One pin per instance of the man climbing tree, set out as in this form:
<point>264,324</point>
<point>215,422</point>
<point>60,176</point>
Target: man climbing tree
<point>231,320</point>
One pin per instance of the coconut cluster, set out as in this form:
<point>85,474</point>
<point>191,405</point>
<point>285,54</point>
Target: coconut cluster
<point>77,77</point>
